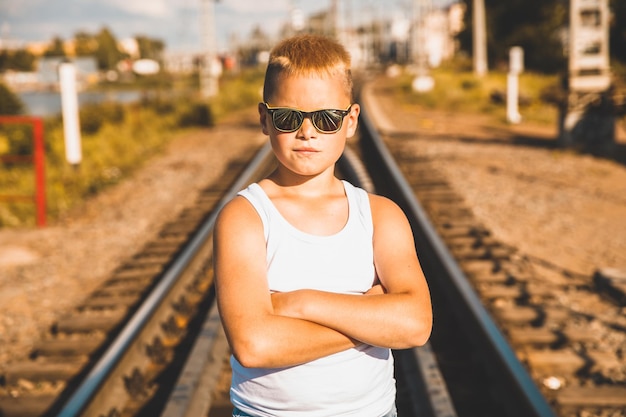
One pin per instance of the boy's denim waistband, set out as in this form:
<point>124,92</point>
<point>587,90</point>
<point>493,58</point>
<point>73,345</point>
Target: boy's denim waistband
<point>238,413</point>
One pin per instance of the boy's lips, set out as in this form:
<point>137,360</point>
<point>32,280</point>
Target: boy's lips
<point>306,150</point>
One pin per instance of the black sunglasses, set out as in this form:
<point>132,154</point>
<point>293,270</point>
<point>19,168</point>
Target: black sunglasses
<point>289,120</point>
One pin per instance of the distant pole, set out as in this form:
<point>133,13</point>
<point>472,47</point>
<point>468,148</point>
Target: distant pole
<point>421,8</point>
<point>422,82</point>
<point>334,20</point>
<point>344,22</point>
<point>480,38</point>
<point>69,107</point>
<point>209,71</point>
<point>516,66</point>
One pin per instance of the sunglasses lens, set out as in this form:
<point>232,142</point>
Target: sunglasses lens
<point>327,120</point>
<point>287,120</point>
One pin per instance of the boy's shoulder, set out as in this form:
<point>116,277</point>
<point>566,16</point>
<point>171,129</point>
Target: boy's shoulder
<point>237,209</point>
<point>377,201</point>
<point>384,208</point>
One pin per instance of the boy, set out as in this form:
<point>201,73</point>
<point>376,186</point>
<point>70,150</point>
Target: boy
<point>316,279</point>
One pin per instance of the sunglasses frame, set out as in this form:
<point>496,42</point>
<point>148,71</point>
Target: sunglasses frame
<point>304,114</point>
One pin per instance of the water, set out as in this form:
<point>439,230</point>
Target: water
<point>48,103</point>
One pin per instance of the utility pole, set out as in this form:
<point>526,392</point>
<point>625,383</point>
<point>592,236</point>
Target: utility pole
<point>421,10</point>
<point>419,51</point>
<point>210,69</point>
<point>344,23</point>
<point>334,19</point>
<point>479,38</point>
<point>296,17</point>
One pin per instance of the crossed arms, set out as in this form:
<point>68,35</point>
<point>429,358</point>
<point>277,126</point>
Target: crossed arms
<point>272,330</point>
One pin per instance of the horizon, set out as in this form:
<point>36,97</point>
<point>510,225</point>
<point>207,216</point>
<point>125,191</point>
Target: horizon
<point>176,23</point>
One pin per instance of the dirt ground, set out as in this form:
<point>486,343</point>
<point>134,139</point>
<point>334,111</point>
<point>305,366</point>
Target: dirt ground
<point>44,272</point>
<point>561,206</point>
<point>551,203</point>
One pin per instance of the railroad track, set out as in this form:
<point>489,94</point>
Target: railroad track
<point>148,342</point>
<point>127,332</point>
<point>567,330</point>
<point>116,354</point>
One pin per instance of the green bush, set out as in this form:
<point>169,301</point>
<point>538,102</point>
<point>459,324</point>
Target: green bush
<point>15,139</point>
<point>19,139</point>
<point>93,116</point>
<point>116,140</point>
<point>238,91</point>
<point>10,103</point>
<point>159,104</point>
<point>462,91</point>
<point>196,114</point>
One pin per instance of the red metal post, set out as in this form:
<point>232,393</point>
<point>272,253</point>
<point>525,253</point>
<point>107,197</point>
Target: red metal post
<point>38,159</point>
<point>40,178</point>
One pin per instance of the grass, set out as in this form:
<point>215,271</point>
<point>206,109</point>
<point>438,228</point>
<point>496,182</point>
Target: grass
<point>237,92</point>
<point>116,140</point>
<point>458,90</point>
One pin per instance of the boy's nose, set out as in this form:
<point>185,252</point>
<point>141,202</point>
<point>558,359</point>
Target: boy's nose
<point>307,130</point>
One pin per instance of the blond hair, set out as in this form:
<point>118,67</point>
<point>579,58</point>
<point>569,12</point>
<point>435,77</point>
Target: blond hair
<point>304,55</point>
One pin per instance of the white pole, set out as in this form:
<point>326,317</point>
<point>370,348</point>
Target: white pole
<point>512,92</point>
<point>516,65</point>
<point>69,106</point>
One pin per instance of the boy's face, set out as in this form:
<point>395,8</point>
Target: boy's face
<point>307,151</point>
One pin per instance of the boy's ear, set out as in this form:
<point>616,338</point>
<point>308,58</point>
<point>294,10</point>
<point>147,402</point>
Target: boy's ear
<point>352,119</point>
<point>263,118</point>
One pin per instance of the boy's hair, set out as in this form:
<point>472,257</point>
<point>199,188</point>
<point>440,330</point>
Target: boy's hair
<point>306,55</point>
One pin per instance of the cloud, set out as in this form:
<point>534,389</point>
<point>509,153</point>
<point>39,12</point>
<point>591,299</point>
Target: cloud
<point>257,7</point>
<point>153,8</point>
<point>10,8</point>
<point>177,22</point>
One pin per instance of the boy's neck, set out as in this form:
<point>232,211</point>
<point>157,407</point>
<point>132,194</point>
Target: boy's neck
<point>303,186</point>
<point>317,205</point>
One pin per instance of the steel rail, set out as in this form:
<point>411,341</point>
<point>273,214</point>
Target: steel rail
<point>426,387</point>
<point>510,367</point>
<point>505,365</point>
<point>191,395</point>
<point>84,394</point>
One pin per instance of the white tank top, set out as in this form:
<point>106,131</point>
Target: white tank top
<point>355,382</point>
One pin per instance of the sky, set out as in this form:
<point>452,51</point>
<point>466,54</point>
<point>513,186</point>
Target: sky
<point>176,22</point>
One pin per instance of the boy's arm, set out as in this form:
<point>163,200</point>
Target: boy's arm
<point>400,318</point>
<point>258,337</point>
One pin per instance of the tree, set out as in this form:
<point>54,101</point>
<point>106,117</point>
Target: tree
<point>535,25</point>
<point>538,26</point>
<point>56,48</point>
<point>150,48</point>
<point>19,60</point>
<point>23,60</point>
<point>10,103</point>
<point>617,30</point>
<point>85,44</point>
<point>258,41</point>
<point>107,53</point>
